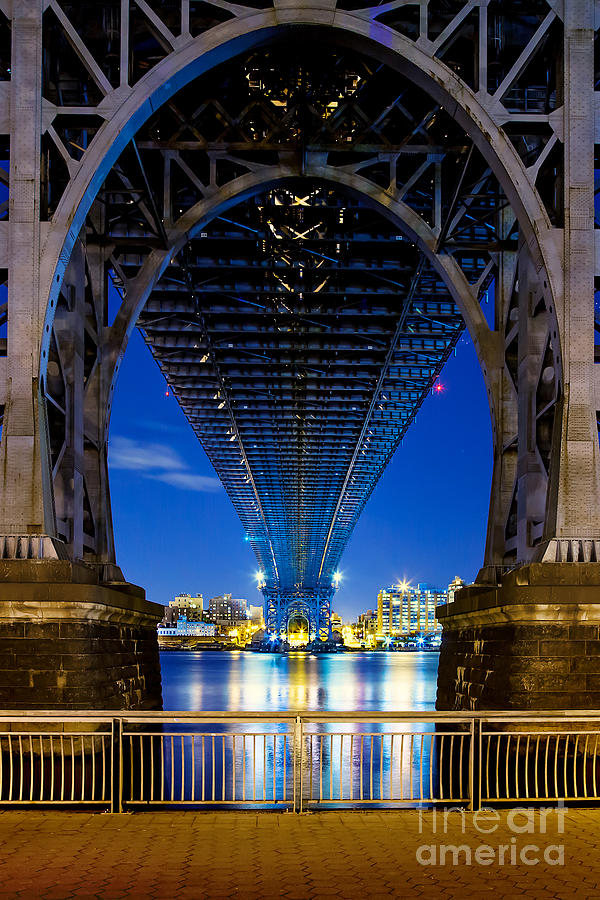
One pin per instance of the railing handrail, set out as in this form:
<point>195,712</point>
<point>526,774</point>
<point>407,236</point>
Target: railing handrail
<point>314,716</point>
<point>124,759</point>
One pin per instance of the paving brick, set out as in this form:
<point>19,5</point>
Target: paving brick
<point>349,855</point>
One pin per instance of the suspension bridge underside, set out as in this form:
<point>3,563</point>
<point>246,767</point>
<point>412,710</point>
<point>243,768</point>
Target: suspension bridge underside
<point>300,333</point>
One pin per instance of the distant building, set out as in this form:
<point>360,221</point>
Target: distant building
<point>186,601</point>
<point>453,587</point>
<point>226,610</point>
<point>366,627</point>
<point>192,605</point>
<point>336,622</point>
<point>403,610</point>
<point>256,616</point>
<point>184,628</point>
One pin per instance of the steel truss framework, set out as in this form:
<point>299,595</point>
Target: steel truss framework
<point>301,238</point>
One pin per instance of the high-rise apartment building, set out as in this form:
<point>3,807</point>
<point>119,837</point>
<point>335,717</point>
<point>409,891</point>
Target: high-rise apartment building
<point>403,610</point>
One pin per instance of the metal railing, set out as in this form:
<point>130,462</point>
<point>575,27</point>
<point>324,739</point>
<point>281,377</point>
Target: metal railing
<point>297,761</point>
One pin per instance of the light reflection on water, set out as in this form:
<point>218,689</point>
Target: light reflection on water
<point>246,760</point>
<point>240,681</point>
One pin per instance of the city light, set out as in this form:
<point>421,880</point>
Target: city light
<point>337,577</point>
<point>404,585</point>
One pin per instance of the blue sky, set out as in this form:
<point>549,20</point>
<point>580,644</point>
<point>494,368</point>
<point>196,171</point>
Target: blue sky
<point>176,530</point>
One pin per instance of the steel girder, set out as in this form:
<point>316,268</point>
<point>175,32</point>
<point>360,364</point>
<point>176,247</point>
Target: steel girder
<point>301,331</point>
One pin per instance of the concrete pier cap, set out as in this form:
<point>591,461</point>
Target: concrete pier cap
<point>530,642</point>
<point>69,640</point>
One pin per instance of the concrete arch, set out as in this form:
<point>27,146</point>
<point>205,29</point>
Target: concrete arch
<point>246,32</point>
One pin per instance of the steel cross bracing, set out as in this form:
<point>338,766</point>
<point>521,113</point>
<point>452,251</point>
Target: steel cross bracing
<point>301,330</point>
<point>300,360</point>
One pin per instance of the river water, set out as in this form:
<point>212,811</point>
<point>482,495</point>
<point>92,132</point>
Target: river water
<point>260,761</point>
<point>242,681</point>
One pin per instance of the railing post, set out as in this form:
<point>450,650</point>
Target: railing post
<point>475,764</point>
<point>116,781</point>
<point>298,762</point>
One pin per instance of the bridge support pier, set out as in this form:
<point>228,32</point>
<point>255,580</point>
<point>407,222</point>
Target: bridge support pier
<point>533,642</point>
<point>68,640</point>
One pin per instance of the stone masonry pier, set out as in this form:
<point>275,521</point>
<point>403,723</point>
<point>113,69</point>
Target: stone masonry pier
<point>70,641</point>
<point>532,642</point>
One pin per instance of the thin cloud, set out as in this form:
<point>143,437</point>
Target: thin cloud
<point>188,481</point>
<point>165,427</point>
<point>159,462</point>
<point>126,453</point>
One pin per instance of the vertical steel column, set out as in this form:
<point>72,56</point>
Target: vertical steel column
<point>531,477</point>
<point>578,506</point>
<point>25,481</point>
<point>504,424</point>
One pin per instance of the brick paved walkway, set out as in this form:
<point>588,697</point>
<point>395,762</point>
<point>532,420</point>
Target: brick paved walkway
<point>368,855</point>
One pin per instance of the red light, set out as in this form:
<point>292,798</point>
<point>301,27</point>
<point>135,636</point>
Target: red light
<point>438,388</point>
<point>166,393</point>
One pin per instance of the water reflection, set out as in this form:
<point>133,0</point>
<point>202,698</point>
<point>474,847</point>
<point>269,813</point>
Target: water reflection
<point>247,682</point>
<point>337,761</point>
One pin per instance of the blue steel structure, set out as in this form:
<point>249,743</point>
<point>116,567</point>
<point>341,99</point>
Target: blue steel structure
<point>318,332</point>
<point>296,198</point>
<point>302,330</point>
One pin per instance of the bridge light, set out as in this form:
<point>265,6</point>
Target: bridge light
<point>260,580</point>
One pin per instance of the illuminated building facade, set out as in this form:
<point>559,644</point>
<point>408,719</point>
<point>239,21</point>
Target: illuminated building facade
<point>403,610</point>
<point>186,601</point>
<point>225,609</point>
<point>256,615</point>
<point>185,628</point>
<point>454,586</point>
<point>336,622</point>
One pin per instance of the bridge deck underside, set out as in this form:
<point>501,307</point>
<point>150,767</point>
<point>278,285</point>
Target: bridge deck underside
<point>300,335</point>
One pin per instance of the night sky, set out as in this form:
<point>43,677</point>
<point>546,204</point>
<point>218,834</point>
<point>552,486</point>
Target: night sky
<point>176,530</point>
